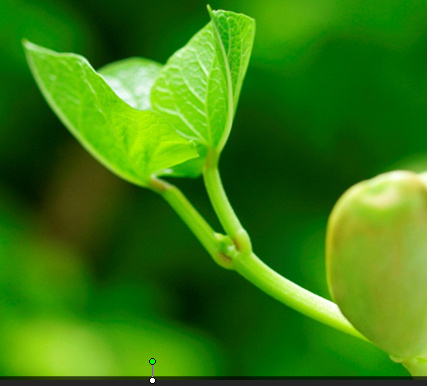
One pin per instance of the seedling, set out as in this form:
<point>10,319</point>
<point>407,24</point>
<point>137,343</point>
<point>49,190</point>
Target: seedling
<point>145,121</point>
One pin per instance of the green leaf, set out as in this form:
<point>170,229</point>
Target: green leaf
<point>132,79</point>
<point>198,88</point>
<point>191,168</point>
<point>131,143</point>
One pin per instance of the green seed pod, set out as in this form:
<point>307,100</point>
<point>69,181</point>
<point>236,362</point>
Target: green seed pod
<point>376,259</point>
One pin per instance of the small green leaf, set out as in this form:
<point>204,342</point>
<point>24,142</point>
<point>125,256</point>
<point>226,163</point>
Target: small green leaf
<point>131,143</point>
<point>132,79</point>
<point>191,168</point>
<point>198,88</point>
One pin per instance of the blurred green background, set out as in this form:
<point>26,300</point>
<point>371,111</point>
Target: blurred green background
<point>97,276</point>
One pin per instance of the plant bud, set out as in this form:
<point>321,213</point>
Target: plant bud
<point>376,260</point>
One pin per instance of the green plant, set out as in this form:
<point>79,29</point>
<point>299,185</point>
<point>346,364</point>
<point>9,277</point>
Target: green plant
<point>145,121</point>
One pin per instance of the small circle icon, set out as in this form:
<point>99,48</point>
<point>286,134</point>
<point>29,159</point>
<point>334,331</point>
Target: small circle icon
<point>152,380</point>
<point>152,361</point>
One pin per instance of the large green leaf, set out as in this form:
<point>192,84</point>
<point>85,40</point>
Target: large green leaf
<point>133,144</point>
<point>198,88</point>
<point>132,79</point>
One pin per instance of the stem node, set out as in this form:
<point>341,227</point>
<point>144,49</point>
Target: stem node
<point>242,241</point>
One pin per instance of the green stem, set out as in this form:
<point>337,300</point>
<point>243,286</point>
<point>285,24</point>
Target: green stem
<point>294,296</point>
<point>244,261</point>
<point>214,243</point>
<point>222,206</point>
<point>258,273</point>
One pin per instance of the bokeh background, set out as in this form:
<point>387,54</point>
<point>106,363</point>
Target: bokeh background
<point>97,276</point>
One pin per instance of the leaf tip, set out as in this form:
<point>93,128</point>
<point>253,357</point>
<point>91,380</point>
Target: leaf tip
<point>28,48</point>
<point>208,6</point>
<point>26,43</point>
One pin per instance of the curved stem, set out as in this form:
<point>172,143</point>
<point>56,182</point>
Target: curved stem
<point>222,206</point>
<point>291,294</point>
<point>216,244</point>
<point>258,273</point>
<point>245,262</point>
